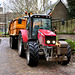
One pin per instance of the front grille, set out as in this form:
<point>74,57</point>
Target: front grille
<point>51,38</point>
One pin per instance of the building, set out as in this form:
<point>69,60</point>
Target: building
<point>59,10</point>
<point>5,18</point>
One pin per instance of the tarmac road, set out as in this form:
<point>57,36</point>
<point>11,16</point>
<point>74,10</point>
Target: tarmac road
<point>12,64</point>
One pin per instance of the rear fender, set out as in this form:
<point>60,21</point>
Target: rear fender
<point>24,35</point>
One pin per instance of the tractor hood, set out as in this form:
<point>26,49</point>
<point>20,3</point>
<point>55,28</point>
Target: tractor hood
<point>46,32</point>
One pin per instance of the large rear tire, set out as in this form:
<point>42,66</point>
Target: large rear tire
<point>32,55</point>
<point>20,46</point>
<point>68,57</point>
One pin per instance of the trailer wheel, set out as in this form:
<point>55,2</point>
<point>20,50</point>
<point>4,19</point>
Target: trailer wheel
<point>68,57</point>
<point>12,42</point>
<point>20,46</point>
<point>32,55</point>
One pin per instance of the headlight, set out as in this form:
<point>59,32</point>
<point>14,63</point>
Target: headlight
<point>53,42</point>
<point>48,41</point>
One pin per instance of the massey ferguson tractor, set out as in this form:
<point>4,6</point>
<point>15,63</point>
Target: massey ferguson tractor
<point>34,35</point>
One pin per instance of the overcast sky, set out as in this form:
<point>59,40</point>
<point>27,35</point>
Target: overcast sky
<point>53,1</point>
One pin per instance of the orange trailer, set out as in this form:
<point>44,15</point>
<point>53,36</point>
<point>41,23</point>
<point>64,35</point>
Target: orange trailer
<point>17,24</point>
<point>14,27</point>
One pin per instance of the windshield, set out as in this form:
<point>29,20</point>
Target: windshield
<point>42,23</point>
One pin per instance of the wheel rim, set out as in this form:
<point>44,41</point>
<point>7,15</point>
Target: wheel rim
<point>19,51</point>
<point>28,56</point>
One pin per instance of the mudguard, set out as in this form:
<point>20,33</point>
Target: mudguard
<point>24,35</point>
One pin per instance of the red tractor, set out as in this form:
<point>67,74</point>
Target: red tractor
<point>38,38</point>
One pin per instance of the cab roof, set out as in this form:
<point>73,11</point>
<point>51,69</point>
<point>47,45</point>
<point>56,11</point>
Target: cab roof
<point>37,16</point>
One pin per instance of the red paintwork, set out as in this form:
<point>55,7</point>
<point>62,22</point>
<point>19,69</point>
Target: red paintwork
<point>47,32</point>
<point>41,36</point>
<point>24,35</point>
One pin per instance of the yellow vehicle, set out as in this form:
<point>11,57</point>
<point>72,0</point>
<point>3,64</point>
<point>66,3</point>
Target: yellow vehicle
<point>14,27</point>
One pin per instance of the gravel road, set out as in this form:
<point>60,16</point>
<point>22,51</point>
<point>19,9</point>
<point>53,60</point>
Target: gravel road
<point>12,64</point>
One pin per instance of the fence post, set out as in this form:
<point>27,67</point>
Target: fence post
<point>71,25</point>
<point>66,26</point>
<point>56,27</point>
<point>59,26</point>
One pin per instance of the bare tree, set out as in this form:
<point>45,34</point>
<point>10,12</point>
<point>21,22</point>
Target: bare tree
<point>20,6</point>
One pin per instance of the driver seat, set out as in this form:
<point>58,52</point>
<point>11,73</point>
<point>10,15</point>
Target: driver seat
<point>35,30</point>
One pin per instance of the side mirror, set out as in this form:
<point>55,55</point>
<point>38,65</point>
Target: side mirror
<point>54,29</point>
<point>63,22</point>
<point>19,21</point>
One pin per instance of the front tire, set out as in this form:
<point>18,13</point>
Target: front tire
<point>32,55</point>
<point>68,57</point>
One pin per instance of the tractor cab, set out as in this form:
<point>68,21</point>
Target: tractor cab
<point>36,22</point>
